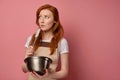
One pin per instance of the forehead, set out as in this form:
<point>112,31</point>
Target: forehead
<point>45,12</point>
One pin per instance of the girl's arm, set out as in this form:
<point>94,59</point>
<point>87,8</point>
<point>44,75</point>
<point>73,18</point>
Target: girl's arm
<point>28,52</point>
<point>64,68</point>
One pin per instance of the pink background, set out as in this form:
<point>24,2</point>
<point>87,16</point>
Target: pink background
<point>92,28</point>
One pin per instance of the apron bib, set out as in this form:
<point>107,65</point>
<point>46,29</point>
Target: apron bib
<point>44,50</point>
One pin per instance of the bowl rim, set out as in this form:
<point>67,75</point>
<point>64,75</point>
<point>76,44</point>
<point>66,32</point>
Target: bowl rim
<point>45,57</point>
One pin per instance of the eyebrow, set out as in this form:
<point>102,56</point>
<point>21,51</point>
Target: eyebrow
<point>45,15</point>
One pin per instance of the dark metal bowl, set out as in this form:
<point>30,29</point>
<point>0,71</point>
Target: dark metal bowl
<point>38,64</point>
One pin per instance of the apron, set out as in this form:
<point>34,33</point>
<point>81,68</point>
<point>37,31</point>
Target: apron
<point>44,50</point>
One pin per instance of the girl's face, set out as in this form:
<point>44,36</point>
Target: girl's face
<point>46,20</point>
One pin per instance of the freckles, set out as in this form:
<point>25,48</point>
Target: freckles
<point>39,21</point>
<point>50,22</point>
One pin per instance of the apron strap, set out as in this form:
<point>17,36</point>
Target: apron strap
<point>45,44</point>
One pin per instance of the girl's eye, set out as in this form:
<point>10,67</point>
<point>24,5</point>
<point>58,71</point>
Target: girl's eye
<point>46,17</point>
<point>40,17</point>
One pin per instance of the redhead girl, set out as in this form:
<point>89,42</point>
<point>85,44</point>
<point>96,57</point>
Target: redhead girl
<point>47,18</point>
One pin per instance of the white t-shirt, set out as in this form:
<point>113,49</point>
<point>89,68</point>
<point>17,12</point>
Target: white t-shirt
<point>62,45</point>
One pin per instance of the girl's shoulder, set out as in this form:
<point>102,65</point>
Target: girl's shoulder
<point>63,41</point>
<point>63,46</point>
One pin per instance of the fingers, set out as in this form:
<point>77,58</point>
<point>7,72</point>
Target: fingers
<point>33,74</point>
<point>30,51</point>
<point>46,74</point>
<point>39,76</point>
<point>30,48</point>
<point>36,75</point>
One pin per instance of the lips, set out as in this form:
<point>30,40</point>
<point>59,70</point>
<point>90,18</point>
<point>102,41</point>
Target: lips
<point>42,25</point>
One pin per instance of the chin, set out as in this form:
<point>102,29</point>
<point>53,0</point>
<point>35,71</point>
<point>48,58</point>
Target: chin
<point>43,29</point>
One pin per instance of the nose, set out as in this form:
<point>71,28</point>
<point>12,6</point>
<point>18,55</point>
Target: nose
<point>42,20</point>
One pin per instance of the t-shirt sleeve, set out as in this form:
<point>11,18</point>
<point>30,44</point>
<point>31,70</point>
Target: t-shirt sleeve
<point>63,46</point>
<point>28,41</point>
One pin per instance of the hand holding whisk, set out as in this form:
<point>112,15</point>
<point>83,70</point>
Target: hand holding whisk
<point>30,50</point>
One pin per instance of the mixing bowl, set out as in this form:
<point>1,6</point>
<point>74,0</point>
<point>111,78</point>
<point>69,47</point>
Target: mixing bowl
<point>38,64</point>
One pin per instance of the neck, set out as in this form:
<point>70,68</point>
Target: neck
<point>47,35</point>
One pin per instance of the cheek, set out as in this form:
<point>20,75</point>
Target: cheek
<point>39,22</point>
<point>50,23</point>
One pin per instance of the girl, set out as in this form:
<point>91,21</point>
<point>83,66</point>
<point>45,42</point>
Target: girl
<point>47,18</point>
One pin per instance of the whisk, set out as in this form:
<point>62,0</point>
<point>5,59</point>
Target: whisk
<point>36,36</point>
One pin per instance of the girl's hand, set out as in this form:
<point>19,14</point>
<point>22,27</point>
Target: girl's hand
<point>39,76</point>
<point>30,51</point>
